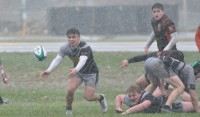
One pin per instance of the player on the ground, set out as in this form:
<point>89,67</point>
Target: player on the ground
<point>84,70</point>
<point>142,101</point>
<point>164,31</point>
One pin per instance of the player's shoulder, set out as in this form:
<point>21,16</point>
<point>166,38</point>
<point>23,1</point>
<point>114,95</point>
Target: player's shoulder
<point>166,20</point>
<point>64,47</point>
<point>83,44</point>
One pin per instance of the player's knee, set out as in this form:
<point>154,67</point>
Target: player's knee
<point>138,82</point>
<point>70,90</point>
<point>88,98</point>
<point>181,89</point>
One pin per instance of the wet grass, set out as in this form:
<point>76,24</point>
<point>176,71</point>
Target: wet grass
<point>28,96</point>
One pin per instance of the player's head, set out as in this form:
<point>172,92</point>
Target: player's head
<point>73,36</point>
<point>134,92</point>
<point>196,67</point>
<point>157,11</point>
<point>73,31</point>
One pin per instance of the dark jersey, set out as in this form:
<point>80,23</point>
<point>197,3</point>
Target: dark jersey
<point>171,53</point>
<point>156,102</point>
<point>162,29</point>
<point>184,71</point>
<point>83,49</point>
<point>0,61</point>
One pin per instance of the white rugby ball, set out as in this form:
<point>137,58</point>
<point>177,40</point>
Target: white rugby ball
<point>39,52</point>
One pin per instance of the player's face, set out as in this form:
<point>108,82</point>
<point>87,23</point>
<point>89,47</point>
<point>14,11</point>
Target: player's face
<point>134,96</point>
<point>157,13</point>
<point>73,40</point>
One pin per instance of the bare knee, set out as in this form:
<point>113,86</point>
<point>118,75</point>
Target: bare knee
<point>88,98</point>
<point>181,89</point>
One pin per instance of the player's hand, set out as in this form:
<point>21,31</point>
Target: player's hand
<point>159,53</point>
<point>146,50</point>
<point>5,79</point>
<point>125,113</point>
<point>119,111</point>
<point>4,75</point>
<point>124,63</point>
<point>72,72</point>
<point>44,75</point>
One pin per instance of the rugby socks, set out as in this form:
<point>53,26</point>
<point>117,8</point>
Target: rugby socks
<point>68,108</point>
<point>101,98</point>
<point>1,100</point>
<point>166,107</point>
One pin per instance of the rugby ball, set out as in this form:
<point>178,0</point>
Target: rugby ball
<point>39,53</point>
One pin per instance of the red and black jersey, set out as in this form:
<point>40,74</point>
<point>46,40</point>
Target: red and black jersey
<point>163,28</point>
<point>197,38</point>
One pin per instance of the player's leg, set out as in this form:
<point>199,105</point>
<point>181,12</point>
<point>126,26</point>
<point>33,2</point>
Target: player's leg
<point>185,97</point>
<point>90,94</point>
<point>1,100</point>
<point>188,107</point>
<point>72,85</point>
<point>177,91</point>
<point>142,81</point>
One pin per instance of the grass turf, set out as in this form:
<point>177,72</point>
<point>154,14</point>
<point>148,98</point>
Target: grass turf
<point>28,96</point>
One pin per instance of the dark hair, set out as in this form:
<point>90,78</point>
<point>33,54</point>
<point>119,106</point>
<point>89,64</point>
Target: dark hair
<point>158,6</point>
<point>73,31</point>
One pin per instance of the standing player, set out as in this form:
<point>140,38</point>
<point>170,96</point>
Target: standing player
<point>84,70</point>
<point>164,31</point>
<point>4,77</point>
<point>197,38</point>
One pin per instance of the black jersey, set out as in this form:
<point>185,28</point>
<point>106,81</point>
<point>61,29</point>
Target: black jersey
<point>83,49</point>
<point>184,71</point>
<point>156,102</point>
<point>171,53</point>
<point>162,29</point>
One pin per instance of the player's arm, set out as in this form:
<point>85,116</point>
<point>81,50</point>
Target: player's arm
<point>55,62</point>
<point>118,103</point>
<point>172,41</point>
<point>79,66</point>
<point>197,38</point>
<point>139,58</point>
<point>149,42</point>
<point>138,107</point>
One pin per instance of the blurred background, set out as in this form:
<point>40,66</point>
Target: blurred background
<point>24,18</point>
